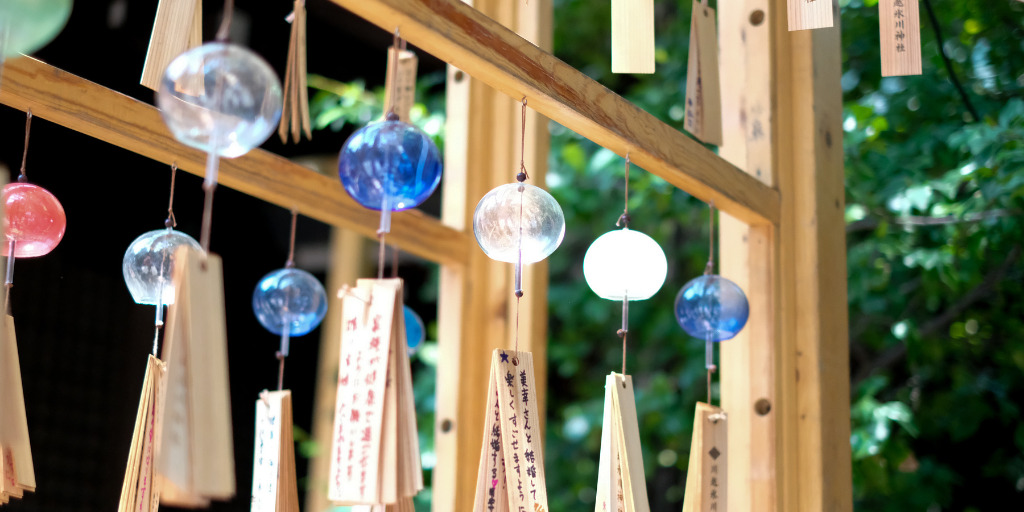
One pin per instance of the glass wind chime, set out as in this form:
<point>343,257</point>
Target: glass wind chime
<point>28,25</point>
<point>34,224</point>
<point>624,265</point>
<point>225,100</point>
<point>148,268</point>
<point>515,223</point>
<point>715,309</point>
<point>287,302</point>
<point>389,166</point>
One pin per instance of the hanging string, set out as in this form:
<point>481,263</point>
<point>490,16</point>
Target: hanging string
<point>709,347</point>
<point>225,24</point>
<point>291,241</point>
<point>624,222</point>
<point>171,222</point>
<point>204,234</point>
<point>22,178</point>
<point>394,261</point>
<point>521,177</point>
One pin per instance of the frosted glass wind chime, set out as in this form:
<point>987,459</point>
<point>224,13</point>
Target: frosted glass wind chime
<point>28,25</point>
<point>624,265</point>
<point>515,223</point>
<point>390,166</point>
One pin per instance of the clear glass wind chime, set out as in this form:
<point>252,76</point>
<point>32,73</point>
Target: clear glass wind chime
<point>624,265</point>
<point>515,223</point>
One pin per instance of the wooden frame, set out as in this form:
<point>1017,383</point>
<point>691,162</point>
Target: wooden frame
<point>785,382</point>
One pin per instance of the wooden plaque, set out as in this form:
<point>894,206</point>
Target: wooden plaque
<point>633,36</point>
<point>703,89</point>
<point>899,30</point>
<point>706,483</point>
<point>405,88</point>
<point>178,27</point>
<point>809,14</point>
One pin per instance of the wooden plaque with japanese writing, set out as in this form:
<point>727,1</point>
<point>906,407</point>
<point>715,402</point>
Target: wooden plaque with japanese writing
<point>178,26</point>
<point>195,458</point>
<point>405,88</point>
<point>809,14</point>
<point>703,89</point>
<point>274,485</point>
<point>17,473</point>
<point>899,30</point>
<point>706,484</point>
<point>511,472</point>
<point>375,447</point>
<point>632,36</point>
<point>139,492</point>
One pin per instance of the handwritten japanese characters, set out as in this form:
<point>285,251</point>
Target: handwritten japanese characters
<point>139,493</point>
<point>274,485</point>
<point>703,92</point>
<point>899,32</point>
<point>511,472</point>
<point>195,455</point>
<point>400,81</point>
<point>809,14</point>
<point>706,479</point>
<point>621,485</point>
<point>375,456</point>
<point>17,474</point>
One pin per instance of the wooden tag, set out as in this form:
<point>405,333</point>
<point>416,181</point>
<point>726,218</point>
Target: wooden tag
<point>405,89</point>
<point>195,459</point>
<point>899,29</point>
<point>511,471</point>
<point>274,485</point>
<point>295,108</point>
<point>809,14</point>
<point>703,91</point>
<point>17,473</point>
<point>139,492</point>
<point>178,27</point>
<point>621,484</point>
<point>706,488</point>
<point>632,36</point>
<point>375,450</point>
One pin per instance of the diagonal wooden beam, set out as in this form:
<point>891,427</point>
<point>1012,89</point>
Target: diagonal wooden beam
<point>108,115</point>
<point>488,51</point>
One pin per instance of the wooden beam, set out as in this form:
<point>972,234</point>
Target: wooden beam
<point>99,112</point>
<point>497,56</point>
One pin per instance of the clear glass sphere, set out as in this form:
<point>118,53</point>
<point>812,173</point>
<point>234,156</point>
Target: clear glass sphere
<point>221,98</point>
<point>625,265</point>
<point>148,265</point>
<point>496,223</point>
<point>390,164</point>
<point>33,218</point>
<point>415,332</point>
<point>28,25</point>
<point>712,306</point>
<point>292,297</point>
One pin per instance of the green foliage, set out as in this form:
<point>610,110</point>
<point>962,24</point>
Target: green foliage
<point>934,204</point>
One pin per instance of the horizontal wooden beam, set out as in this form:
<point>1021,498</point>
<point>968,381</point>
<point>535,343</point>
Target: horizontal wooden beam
<point>108,115</point>
<point>482,47</point>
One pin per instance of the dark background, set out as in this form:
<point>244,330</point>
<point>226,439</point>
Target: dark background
<point>83,341</point>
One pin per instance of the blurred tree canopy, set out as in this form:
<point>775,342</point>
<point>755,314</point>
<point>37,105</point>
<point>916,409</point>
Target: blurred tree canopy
<point>935,197</point>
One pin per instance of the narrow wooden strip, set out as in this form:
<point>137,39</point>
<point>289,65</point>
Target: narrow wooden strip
<point>94,110</point>
<point>478,45</point>
<point>809,14</point>
<point>174,32</point>
<point>632,36</point>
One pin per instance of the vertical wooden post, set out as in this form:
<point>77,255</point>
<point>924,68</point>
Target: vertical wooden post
<point>476,305</point>
<point>785,380</point>
<point>343,269</point>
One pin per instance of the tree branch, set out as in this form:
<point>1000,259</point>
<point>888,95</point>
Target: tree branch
<point>870,223</point>
<point>949,65</point>
<point>896,353</point>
